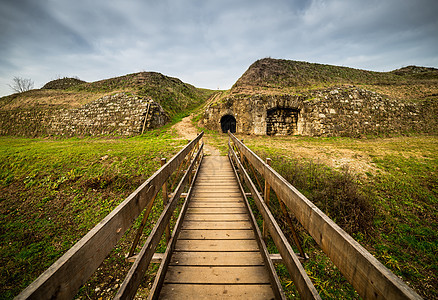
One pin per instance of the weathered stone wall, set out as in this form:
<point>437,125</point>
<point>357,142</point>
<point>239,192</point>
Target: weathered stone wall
<point>334,112</point>
<point>282,121</point>
<point>119,114</point>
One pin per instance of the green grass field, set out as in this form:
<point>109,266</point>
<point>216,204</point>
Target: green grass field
<point>54,190</point>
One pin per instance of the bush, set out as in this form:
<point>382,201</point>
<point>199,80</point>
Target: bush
<point>336,193</point>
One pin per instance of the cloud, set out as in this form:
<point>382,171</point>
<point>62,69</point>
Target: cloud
<point>208,43</point>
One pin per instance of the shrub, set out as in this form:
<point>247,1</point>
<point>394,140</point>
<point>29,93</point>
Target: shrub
<point>336,193</point>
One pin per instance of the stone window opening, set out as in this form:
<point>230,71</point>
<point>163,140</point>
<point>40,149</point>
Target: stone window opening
<point>228,122</point>
<point>282,121</point>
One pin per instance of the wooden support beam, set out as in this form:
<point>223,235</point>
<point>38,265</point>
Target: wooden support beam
<point>292,227</point>
<point>146,117</point>
<point>165,201</point>
<point>266,196</point>
<point>141,228</point>
<point>277,259</point>
<point>156,258</point>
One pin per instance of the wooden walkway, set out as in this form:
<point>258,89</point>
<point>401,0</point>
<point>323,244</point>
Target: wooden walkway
<point>216,254</point>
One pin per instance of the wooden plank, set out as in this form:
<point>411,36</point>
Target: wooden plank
<point>209,180</point>
<point>217,225</point>
<point>215,234</point>
<point>156,258</point>
<point>217,217</point>
<point>197,291</point>
<point>217,194</point>
<point>234,198</point>
<point>216,210</point>
<point>217,189</point>
<point>212,180</point>
<point>135,274</point>
<point>218,199</point>
<point>217,274</point>
<point>222,202</point>
<point>210,204</point>
<point>226,202</point>
<point>216,245</point>
<point>214,171</point>
<point>370,278</point>
<point>216,259</point>
<point>217,185</point>
<point>214,174</point>
<point>64,277</point>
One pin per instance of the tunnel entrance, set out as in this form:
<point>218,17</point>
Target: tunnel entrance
<point>281,121</point>
<point>228,122</point>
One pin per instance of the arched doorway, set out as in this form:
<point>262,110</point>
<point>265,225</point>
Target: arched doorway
<point>228,122</point>
<point>281,121</point>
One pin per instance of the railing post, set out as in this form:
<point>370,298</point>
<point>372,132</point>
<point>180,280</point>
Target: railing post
<point>241,154</point>
<point>165,200</point>
<point>140,229</point>
<point>266,198</point>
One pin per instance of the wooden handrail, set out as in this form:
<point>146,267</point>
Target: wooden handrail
<point>299,276</point>
<point>370,278</point>
<point>63,278</point>
<point>275,281</point>
<point>136,274</point>
<point>161,273</point>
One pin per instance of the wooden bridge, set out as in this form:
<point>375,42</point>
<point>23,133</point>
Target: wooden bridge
<point>216,249</point>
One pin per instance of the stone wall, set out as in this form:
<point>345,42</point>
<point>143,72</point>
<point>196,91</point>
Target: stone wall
<point>282,121</point>
<point>347,111</point>
<point>119,114</point>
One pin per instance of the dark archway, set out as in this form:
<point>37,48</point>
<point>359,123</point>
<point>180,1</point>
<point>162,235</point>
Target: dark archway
<point>281,121</point>
<point>228,122</point>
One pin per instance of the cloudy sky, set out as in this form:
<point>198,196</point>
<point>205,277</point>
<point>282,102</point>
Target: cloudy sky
<point>208,43</point>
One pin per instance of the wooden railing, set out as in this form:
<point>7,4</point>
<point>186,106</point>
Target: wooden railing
<point>63,279</point>
<point>370,278</point>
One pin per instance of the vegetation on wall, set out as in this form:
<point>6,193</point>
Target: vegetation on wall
<point>279,76</point>
<point>171,93</point>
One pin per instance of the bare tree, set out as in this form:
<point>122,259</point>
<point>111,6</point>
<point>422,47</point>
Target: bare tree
<point>20,85</point>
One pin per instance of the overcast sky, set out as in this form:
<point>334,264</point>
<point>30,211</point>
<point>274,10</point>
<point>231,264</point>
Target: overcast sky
<point>208,43</point>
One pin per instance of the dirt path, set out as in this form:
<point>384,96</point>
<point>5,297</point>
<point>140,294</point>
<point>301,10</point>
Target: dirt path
<point>186,130</point>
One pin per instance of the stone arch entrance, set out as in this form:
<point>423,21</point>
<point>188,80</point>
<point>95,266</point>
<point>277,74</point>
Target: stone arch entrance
<point>281,121</point>
<point>228,122</point>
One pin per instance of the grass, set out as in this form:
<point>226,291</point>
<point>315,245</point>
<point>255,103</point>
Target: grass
<point>294,77</point>
<point>397,176</point>
<point>54,191</point>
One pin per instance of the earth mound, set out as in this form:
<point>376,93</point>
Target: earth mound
<point>63,83</point>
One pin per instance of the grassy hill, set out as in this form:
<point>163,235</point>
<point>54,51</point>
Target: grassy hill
<point>173,94</point>
<point>278,76</point>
